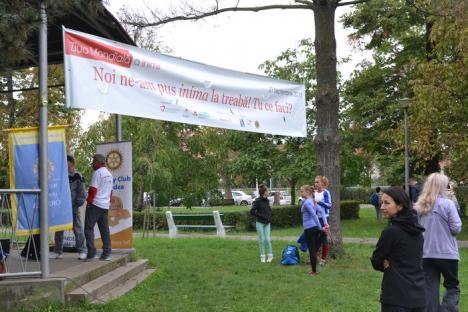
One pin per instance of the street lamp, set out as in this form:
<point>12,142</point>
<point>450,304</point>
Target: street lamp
<point>405,104</point>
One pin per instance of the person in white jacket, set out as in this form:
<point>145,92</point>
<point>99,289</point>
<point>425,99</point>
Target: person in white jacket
<point>439,216</point>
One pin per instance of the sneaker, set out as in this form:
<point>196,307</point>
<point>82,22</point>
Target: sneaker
<point>312,273</point>
<point>322,262</point>
<point>262,259</point>
<point>105,258</point>
<point>269,258</point>
<point>82,256</point>
<point>55,256</point>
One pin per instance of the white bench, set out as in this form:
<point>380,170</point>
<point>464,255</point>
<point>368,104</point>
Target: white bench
<point>218,224</point>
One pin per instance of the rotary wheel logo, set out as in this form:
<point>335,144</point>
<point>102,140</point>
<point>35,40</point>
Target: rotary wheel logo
<point>50,169</point>
<point>114,160</point>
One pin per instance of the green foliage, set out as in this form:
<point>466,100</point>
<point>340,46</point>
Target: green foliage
<point>349,209</point>
<point>360,194</point>
<point>419,52</point>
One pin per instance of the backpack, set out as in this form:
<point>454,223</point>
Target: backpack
<point>374,200</point>
<point>290,255</point>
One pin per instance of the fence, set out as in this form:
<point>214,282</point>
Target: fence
<point>19,255</point>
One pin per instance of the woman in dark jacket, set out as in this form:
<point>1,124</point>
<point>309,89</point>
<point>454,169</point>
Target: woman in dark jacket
<point>399,255</point>
<point>261,209</point>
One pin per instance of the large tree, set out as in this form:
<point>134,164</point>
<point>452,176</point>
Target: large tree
<point>420,52</point>
<point>327,138</point>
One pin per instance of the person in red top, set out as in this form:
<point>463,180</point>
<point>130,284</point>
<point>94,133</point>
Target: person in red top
<point>98,200</point>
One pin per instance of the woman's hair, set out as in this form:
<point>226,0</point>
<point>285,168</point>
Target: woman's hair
<point>262,188</point>
<point>435,185</point>
<point>309,189</point>
<point>401,198</point>
<point>324,180</point>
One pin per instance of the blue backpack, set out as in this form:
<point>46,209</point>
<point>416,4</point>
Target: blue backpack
<point>290,255</point>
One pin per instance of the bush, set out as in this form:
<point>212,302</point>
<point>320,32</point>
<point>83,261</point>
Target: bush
<point>362,194</point>
<point>283,217</point>
<point>349,209</point>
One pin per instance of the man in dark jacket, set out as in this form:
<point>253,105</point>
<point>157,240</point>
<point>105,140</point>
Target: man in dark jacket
<point>398,254</point>
<point>78,196</point>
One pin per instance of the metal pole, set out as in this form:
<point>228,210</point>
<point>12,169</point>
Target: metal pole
<point>43,143</point>
<point>118,128</point>
<point>406,151</point>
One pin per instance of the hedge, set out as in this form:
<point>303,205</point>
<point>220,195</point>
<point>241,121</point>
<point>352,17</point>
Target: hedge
<point>282,217</point>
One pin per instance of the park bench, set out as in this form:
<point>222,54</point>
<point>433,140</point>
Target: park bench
<point>216,216</point>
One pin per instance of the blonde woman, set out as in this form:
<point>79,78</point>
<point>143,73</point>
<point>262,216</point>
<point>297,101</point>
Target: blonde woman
<point>322,198</point>
<point>439,216</point>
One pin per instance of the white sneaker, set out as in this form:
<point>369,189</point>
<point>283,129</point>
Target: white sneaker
<point>82,256</point>
<point>269,258</point>
<point>262,259</point>
<point>55,256</point>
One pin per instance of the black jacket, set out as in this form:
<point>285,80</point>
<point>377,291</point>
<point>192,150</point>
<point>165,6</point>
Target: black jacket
<point>401,243</point>
<point>261,209</point>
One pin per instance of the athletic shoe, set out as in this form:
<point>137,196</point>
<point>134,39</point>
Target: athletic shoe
<point>82,256</point>
<point>269,258</point>
<point>322,262</point>
<point>262,259</point>
<point>312,273</point>
<point>105,258</point>
<point>55,256</point>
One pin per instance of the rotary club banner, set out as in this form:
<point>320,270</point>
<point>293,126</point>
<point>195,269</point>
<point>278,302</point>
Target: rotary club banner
<point>24,174</point>
<point>119,162</point>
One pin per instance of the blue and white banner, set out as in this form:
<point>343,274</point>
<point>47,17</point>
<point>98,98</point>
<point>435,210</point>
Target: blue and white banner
<point>24,174</point>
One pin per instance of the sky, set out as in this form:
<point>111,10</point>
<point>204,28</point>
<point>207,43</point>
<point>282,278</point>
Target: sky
<point>239,41</point>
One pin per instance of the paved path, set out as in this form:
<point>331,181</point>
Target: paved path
<point>358,240</point>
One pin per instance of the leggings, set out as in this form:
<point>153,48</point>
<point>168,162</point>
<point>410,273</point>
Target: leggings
<point>263,231</point>
<point>312,239</point>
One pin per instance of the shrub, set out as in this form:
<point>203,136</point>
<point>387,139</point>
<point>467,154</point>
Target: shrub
<point>349,209</point>
<point>362,194</point>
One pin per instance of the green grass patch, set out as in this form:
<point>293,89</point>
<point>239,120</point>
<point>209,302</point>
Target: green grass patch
<point>207,274</point>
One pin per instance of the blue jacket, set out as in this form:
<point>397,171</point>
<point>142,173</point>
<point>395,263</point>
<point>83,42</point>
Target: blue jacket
<point>310,214</point>
<point>324,200</point>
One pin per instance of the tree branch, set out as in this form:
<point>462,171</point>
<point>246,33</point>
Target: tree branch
<point>351,2</point>
<point>216,11</point>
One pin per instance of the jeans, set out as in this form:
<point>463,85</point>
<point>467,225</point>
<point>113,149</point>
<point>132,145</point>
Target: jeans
<point>77,230</point>
<point>263,231</point>
<point>433,268</point>
<point>94,215</point>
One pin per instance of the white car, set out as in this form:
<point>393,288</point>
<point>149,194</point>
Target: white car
<point>240,198</point>
<point>284,197</point>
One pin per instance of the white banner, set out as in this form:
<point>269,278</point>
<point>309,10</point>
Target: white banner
<point>119,162</point>
<point>117,78</point>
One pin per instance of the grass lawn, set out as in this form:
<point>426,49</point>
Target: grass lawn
<point>206,274</point>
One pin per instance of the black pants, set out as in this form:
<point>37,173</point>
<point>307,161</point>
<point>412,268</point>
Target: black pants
<point>392,308</point>
<point>312,240</point>
<point>94,215</point>
<point>433,268</point>
<point>32,247</point>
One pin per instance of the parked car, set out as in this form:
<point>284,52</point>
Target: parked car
<point>284,197</point>
<point>240,198</point>
<point>176,202</point>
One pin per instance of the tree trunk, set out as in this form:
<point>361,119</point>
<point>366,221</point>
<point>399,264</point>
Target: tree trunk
<point>327,139</point>
<point>292,185</point>
<point>11,101</point>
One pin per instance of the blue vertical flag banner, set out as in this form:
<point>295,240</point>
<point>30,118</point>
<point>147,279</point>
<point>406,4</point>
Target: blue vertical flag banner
<point>24,174</point>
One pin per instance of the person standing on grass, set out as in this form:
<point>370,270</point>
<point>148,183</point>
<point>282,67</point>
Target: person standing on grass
<point>398,254</point>
<point>97,210</point>
<point>323,199</point>
<point>311,223</point>
<point>376,201</point>
<point>262,211</point>
<point>440,217</point>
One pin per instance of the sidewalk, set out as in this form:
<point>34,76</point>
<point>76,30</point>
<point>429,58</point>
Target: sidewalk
<point>346,240</point>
